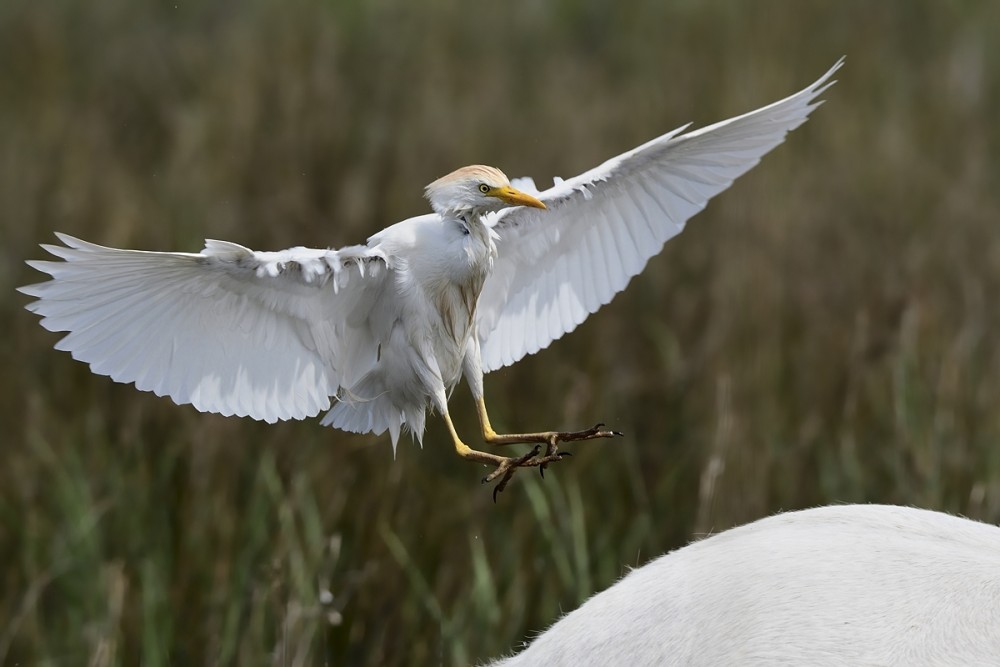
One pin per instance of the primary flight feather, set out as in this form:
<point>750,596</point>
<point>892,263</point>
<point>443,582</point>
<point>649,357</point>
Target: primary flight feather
<point>375,334</point>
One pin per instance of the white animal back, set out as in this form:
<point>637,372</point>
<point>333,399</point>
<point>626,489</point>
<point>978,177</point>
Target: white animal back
<point>840,585</point>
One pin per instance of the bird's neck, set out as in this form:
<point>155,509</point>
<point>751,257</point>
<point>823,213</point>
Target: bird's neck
<point>475,223</point>
<point>481,244</point>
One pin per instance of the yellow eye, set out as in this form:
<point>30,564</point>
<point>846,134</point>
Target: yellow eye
<point>484,188</point>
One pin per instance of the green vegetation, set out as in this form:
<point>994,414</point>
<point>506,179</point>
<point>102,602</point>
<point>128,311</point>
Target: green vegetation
<point>826,331</point>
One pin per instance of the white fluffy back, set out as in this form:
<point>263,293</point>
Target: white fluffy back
<point>841,585</point>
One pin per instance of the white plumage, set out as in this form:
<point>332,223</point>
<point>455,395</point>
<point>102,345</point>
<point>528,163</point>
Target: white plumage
<point>388,328</point>
<point>858,585</point>
<point>556,267</point>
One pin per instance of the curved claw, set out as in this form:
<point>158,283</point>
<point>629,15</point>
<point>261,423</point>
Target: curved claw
<point>506,469</point>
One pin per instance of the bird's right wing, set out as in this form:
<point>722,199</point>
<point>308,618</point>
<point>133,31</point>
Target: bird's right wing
<point>269,335</point>
<point>554,267</point>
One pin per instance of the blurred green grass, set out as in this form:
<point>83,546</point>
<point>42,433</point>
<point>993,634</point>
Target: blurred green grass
<point>823,332</point>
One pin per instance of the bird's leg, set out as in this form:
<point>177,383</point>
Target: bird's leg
<point>473,369</point>
<point>505,465</point>
<point>469,453</point>
<point>549,438</point>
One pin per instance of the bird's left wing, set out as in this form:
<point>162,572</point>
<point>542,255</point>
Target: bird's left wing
<point>269,335</point>
<point>555,267</point>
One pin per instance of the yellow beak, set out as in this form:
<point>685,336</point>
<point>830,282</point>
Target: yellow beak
<point>516,197</point>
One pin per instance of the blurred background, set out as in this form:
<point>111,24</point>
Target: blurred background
<point>824,332</point>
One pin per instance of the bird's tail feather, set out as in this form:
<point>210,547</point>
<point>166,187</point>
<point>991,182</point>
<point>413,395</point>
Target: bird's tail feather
<point>367,407</point>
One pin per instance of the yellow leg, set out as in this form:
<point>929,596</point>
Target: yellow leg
<point>505,466</point>
<point>550,438</point>
<point>467,452</point>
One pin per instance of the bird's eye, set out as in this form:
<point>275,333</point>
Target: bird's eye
<point>484,188</point>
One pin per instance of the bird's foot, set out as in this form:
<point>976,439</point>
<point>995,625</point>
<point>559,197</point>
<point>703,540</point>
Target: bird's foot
<point>551,439</point>
<point>547,437</point>
<point>506,469</point>
<point>597,431</point>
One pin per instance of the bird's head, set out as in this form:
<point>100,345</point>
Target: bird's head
<point>476,189</point>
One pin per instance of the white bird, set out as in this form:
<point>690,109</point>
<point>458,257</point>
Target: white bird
<point>831,586</point>
<point>388,328</point>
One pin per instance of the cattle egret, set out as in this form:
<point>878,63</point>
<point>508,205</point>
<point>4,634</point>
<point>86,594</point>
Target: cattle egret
<point>386,329</point>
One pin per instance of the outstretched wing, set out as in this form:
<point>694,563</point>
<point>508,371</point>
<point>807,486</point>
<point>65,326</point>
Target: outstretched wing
<point>555,267</point>
<point>267,335</point>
